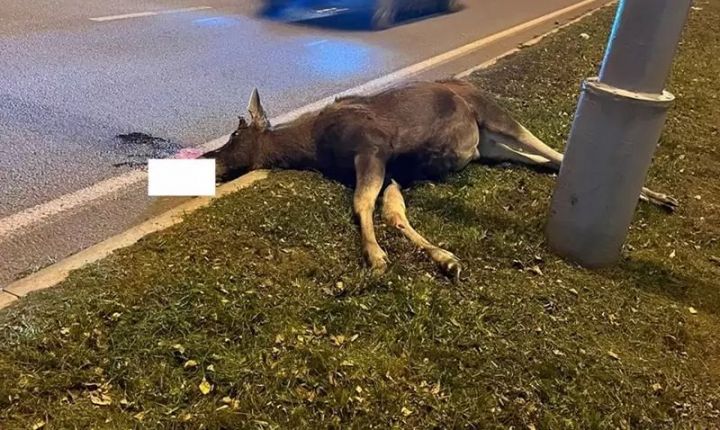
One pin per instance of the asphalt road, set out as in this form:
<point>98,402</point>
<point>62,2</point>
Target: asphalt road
<point>70,84</point>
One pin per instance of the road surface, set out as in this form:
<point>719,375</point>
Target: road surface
<point>75,75</point>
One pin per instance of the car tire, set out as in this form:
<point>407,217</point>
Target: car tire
<point>450,5</point>
<point>384,14</point>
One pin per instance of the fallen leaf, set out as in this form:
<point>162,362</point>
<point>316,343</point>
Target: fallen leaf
<point>692,310</point>
<point>205,387</point>
<point>38,425</point>
<point>656,387</point>
<point>179,348</point>
<point>405,411</point>
<point>613,355</point>
<point>574,291</point>
<point>100,399</point>
<point>585,36</point>
<point>64,331</point>
<point>140,415</point>
<point>536,270</point>
<point>190,364</point>
<point>672,254</point>
<point>210,368</point>
<point>354,337</point>
<point>227,400</point>
<point>338,340</point>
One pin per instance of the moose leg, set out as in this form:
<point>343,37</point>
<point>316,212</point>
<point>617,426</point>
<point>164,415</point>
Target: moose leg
<point>532,147</point>
<point>395,215</point>
<point>370,176</point>
<point>492,150</point>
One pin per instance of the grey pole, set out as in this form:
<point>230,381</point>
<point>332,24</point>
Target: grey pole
<point>617,125</point>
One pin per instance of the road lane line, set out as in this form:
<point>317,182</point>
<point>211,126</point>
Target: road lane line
<point>143,14</point>
<point>13,224</point>
<point>317,42</point>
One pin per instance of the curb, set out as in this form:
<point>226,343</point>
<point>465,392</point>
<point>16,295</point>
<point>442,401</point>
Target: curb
<point>56,273</point>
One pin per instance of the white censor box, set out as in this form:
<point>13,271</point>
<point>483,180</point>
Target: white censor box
<point>180,177</point>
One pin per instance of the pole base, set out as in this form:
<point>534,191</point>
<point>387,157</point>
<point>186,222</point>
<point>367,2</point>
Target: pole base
<point>608,154</point>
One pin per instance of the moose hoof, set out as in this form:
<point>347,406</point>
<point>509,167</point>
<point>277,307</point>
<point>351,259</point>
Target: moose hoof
<point>448,262</point>
<point>377,260</point>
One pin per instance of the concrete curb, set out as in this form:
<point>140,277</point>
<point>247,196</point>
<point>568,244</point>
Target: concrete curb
<point>56,273</point>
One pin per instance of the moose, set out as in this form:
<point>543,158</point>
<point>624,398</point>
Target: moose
<point>379,143</point>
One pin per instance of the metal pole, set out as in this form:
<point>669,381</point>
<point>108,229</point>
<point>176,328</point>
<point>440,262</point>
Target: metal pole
<point>617,125</point>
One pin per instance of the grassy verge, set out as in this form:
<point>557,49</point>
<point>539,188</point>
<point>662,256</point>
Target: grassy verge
<point>257,312</point>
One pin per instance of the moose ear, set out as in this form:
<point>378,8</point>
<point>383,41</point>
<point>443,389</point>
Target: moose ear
<point>242,123</point>
<point>258,118</point>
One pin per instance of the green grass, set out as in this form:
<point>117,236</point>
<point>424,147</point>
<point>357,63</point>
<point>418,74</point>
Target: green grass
<point>265,291</point>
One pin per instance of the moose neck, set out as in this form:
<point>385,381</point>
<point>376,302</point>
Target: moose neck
<point>290,146</point>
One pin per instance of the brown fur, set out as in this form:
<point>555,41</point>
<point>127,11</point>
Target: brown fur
<point>417,131</point>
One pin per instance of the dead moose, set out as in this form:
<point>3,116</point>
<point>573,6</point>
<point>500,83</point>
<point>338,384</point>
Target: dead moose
<point>417,131</point>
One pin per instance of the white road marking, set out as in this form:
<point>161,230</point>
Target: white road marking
<point>317,42</point>
<point>15,223</point>
<point>143,14</point>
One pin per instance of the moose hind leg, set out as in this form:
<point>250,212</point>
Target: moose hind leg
<point>394,213</point>
<point>500,146</point>
<point>370,176</point>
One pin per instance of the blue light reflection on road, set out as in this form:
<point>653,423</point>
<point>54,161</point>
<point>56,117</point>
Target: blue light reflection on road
<point>215,22</point>
<point>336,58</point>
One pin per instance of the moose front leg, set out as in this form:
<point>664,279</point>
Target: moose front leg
<point>395,215</point>
<point>370,176</point>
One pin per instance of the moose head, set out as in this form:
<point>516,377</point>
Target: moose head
<point>243,151</point>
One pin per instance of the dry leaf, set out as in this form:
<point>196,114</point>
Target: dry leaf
<point>405,411</point>
<point>64,331</point>
<point>692,310</point>
<point>179,348</point>
<point>205,386</point>
<point>536,270</point>
<point>585,36</point>
<point>574,291</point>
<point>100,399</point>
<point>339,339</point>
<point>140,415</point>
<point>38,425</point>
<point>656,387</point>
<point>190,364</point>
<point>354,337</point>
<point>210,368</point>
<point>672,254</point>
<point>613,355</point>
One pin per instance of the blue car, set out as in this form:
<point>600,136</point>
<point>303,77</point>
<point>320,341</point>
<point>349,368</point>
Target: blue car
<point>380,13</point>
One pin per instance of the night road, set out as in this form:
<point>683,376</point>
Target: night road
<point>76,76</point>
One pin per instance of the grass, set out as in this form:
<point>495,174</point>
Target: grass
<point>262,301</point>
